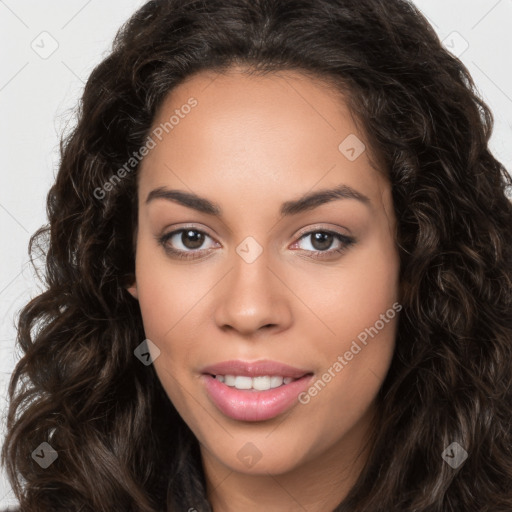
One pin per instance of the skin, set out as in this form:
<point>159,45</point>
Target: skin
<point>249,145</point>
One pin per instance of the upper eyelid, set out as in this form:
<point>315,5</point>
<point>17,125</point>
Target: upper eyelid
<point>318,227</point>
<point>185,228</point>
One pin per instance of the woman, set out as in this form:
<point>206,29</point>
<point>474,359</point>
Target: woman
<point>279,274</point>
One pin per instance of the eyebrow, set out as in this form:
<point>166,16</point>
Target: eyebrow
<point>308,201</point>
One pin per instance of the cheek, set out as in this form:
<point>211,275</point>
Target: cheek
<point>360,306</point>
<point>353,295</point>
<point>167,292</point>
<point>168,301</point>
<point>342,394</point>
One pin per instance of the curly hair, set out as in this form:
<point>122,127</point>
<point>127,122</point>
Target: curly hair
<point>120,442</point>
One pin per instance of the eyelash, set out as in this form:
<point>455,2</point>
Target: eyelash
<point>346,241</point>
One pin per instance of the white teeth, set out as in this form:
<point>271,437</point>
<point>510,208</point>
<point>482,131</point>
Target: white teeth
<point>266,382</point>
<point>229,380</point>
<point>275,382</point>
<point>243,382</point>
<point>262,383</point>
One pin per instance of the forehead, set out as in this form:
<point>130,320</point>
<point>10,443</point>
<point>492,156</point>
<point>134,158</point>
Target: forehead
<point>250,134</point>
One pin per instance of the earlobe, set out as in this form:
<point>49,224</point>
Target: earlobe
<point>132,290</point>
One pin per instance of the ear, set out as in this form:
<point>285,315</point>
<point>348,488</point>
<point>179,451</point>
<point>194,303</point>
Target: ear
<point>132,290</point>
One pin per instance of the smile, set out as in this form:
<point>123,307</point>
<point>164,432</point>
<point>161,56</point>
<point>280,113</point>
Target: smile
<point>262,383</point>
<point>252,404</point>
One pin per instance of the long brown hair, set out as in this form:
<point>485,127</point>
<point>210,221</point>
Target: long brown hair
<point>121,445</point>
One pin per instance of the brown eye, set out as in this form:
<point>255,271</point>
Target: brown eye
<point>321,240</point>
<point>324,244</point>
<point>192,239</point>
<point>186,243</point>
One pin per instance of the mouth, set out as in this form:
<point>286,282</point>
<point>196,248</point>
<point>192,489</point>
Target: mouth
<point>256,391</point>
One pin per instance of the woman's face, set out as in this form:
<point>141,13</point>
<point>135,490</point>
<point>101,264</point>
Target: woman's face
<point>271,273</point>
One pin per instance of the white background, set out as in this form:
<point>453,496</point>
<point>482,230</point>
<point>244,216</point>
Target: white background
<point>37,95</point>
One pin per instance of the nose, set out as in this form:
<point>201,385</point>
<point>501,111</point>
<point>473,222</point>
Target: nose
<point>253,298</point>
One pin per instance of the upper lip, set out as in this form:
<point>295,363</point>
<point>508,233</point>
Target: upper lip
<point>255,369</point>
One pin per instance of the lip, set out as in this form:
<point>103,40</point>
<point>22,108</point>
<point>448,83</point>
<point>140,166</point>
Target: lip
<point>255,369</point>
<point>251,405</point>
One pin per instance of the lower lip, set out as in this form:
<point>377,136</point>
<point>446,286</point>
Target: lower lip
<point>250,405</point>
